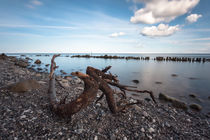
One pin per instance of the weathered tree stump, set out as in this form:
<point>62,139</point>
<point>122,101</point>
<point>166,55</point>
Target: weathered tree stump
<point>94,79</point>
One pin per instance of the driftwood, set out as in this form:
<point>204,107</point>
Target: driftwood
<point>94,80</point>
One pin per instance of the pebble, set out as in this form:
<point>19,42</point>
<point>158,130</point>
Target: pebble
<point>124,138</point>
<point>23,117</point>
<point>96,138</point>
<point>142,130</point>
<point>145,114</point>
<point>151,130</point>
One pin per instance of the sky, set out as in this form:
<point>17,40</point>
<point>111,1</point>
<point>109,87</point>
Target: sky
<point>104,26</point>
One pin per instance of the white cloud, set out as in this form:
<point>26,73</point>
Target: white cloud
<point>160,30</point>
<point>156,11</point>
<point>33,3</point>
<point>193,18</point>
<point>36,2</point>
<point>117,34</point>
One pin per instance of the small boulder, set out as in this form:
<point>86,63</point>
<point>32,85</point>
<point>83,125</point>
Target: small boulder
<point>24,86</point>
<point>196,107</point>
<point>209,97</point>
<point>47,65</point>
<point>38,61</point>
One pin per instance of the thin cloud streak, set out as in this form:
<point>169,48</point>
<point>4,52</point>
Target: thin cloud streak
<point>36,26</point>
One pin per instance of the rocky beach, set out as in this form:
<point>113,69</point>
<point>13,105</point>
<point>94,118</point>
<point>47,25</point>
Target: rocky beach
<point>25,111</point>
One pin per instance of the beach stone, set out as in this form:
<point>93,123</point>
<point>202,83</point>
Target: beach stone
<point>135,81</point>
<point>196,107</point>
<point>28,58</point>
<point>38,61</point>
<point>151,130</point>
<point>47,65</point>
<point>174,75</point>
<point>175,102</point>
<point>142,130</point>
<point>3,56</point>
<point>24,86</point>
<point>145,114</point>
<point>158,82</point>
<point>192,95</point>
<point>64,83</point>
<point>96,138</point>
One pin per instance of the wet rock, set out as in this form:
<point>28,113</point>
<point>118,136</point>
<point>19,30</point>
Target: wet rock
<point>24,86</point>
<point>193,78</point>
<point>192,95</point>
<point>28,58</point>
<point>38,61</point>
<point>158,83</point>
<point>209,97</point>
<point>3,56</point>
<point>47,65</point>
<point>174,75</point>
<point>195,106</point>
<point>175,102</point>
<point>135,81</point>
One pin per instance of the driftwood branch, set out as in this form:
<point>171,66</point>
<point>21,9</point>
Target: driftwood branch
<point>94,80</point>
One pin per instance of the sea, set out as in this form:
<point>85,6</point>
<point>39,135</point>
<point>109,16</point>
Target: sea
<point>192,78</point>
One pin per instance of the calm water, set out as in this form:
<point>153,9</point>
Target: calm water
<point>148,73</point>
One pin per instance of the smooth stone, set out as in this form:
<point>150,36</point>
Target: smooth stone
<point>151,130</point>
<point>196,107</point>
<point>135,81</point>
<point>142,130</point>
<point>145,114</point>
<point>158,82</point>
<point>38,61</point>
<point>175,102</point>
<point>192,95</point>
<point>174,75</point>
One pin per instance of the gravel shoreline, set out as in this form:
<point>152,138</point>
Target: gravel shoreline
<point>28,116</point>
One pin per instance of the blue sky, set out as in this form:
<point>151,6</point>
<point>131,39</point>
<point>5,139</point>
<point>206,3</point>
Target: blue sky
<point>105,26</point>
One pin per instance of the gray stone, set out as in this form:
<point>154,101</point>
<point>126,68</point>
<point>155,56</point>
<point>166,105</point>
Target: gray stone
<point>196,107</point>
